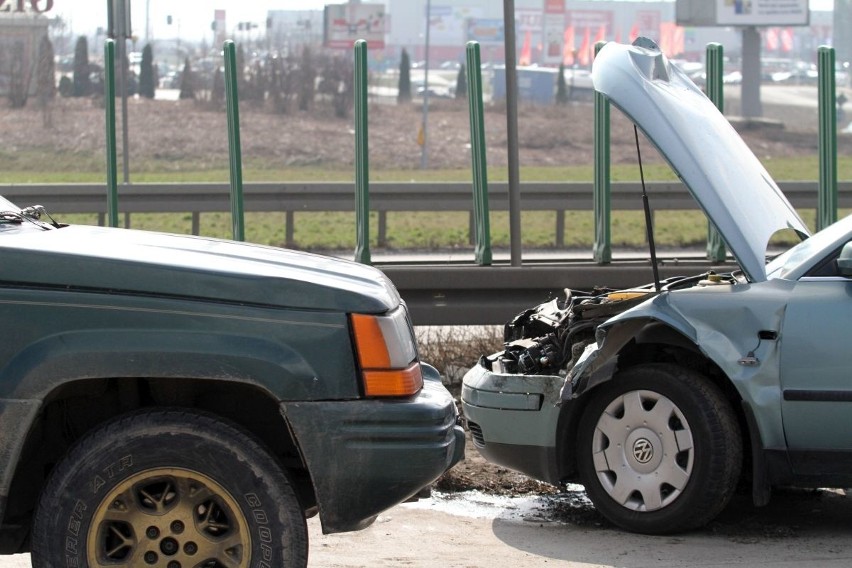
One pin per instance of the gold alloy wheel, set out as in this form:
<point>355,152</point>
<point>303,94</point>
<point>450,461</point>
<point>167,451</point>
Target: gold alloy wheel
<point>171,518</point>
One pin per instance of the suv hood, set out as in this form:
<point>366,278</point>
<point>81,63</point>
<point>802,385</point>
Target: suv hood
<point>727,180</point>
<point>142,262</point>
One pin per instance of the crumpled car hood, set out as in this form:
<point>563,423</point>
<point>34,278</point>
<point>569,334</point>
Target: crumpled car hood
<point>142,262</point>
<point>727,180</point>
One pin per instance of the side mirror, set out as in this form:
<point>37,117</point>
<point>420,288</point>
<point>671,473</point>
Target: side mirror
<point>844,261</point>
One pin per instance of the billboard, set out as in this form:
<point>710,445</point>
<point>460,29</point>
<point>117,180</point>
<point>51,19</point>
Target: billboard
<point>553,30</point>
<point>742,12</point>
<point>219,25</point>
<point>345,23</point>
<point>448,24</point>
<point>762,12</point>
<point>487,31</point>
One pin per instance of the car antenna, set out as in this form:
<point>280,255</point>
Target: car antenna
<point>648,227</point>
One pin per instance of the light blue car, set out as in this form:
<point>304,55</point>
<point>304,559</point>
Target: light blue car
<point>661,399</point>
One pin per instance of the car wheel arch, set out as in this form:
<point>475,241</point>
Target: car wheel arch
<point>260,414</point>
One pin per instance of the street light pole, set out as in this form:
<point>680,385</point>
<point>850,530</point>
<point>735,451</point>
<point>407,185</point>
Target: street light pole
<point>512,134</point>
<point>424,151</point>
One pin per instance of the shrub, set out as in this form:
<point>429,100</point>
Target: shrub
<point>82,82</point>
<point>404,84</point>
<point>147,82</point>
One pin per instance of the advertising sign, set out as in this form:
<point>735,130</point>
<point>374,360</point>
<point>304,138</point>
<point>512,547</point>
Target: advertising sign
<point>528,20</point>
<point>448,24</point>
<point>762,12</point>
<point>553,31</point>
<point>219,24</point>
<point>22,6</point>
<point>742,12</point>
<point>487,31</point>
<point>346,23</point>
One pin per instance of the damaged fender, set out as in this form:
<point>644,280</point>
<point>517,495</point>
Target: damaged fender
<point>743,342</point>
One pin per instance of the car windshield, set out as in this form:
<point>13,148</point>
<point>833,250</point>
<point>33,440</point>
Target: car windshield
<point>786,262</point>
<point>6,205</point>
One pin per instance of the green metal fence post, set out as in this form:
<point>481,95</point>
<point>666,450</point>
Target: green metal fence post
<point>235,151</point>
<point>716,251</point>
<point>602,248</point>
<point>482,230</point>
<point>827,205</point>
<point>362,157</point>
<point>111,153</point>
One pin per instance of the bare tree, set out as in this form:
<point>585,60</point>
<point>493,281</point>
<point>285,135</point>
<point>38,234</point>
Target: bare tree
<point>282,79</point>
<point>307,78</point>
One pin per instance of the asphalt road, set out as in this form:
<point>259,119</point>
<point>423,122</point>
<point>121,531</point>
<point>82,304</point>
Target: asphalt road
<point>811,529</point>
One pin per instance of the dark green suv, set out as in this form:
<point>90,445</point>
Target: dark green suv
<point>179,401</point>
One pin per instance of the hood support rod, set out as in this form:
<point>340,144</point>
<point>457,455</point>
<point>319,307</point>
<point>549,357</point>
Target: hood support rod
<point>648,226</point>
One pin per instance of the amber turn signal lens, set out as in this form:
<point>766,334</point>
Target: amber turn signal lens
<point>393,382</point>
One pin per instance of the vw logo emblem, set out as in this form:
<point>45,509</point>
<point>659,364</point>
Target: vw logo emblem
<point>643,451</point>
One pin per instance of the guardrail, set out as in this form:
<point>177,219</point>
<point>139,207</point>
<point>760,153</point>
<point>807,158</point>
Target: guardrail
<point>291,198</point>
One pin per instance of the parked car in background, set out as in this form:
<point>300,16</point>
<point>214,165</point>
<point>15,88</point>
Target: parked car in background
<point>180,401</point>
<point>661,399</point>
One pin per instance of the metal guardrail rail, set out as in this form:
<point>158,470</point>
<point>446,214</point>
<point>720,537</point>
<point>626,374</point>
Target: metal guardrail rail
<point>385,196</point>
<point>437,294</point>
<point>474,295</point>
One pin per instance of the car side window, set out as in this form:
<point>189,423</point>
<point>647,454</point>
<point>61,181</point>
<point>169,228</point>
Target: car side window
<point>828,267</point>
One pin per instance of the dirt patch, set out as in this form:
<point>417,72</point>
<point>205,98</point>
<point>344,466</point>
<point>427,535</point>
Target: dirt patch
<point>176,135</point>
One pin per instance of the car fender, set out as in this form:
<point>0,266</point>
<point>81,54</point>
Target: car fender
<point>62,358</point>
<point>725,332</point>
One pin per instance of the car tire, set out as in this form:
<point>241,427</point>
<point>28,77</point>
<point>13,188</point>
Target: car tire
<point>659,449</point>
<point>169,488</point>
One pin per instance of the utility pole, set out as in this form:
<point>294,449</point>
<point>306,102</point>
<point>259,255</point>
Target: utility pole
<point>118,14</point>
<point>512,134</point>
<point>424,148</point>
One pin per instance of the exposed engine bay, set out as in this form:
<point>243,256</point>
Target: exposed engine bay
<point>549,338</point>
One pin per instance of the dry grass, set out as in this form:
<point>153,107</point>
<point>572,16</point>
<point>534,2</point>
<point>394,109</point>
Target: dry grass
<point>455,349</point>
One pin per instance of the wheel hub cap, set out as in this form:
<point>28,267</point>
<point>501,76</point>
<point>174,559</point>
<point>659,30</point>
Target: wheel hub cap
<point>643,450</point>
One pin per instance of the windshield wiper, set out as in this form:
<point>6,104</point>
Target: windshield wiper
<point>30,214</point>
<point>11,217</point>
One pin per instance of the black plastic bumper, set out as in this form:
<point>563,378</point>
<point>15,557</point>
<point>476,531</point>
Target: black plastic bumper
<point>365,456</point>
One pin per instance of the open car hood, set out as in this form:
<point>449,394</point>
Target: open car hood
<point>727,180</point>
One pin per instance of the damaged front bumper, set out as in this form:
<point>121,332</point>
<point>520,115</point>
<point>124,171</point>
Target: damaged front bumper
<point>513,419</point>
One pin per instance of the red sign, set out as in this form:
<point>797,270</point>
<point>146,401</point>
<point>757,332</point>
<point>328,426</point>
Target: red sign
<point>554,6</point>
<point>346,23</point>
